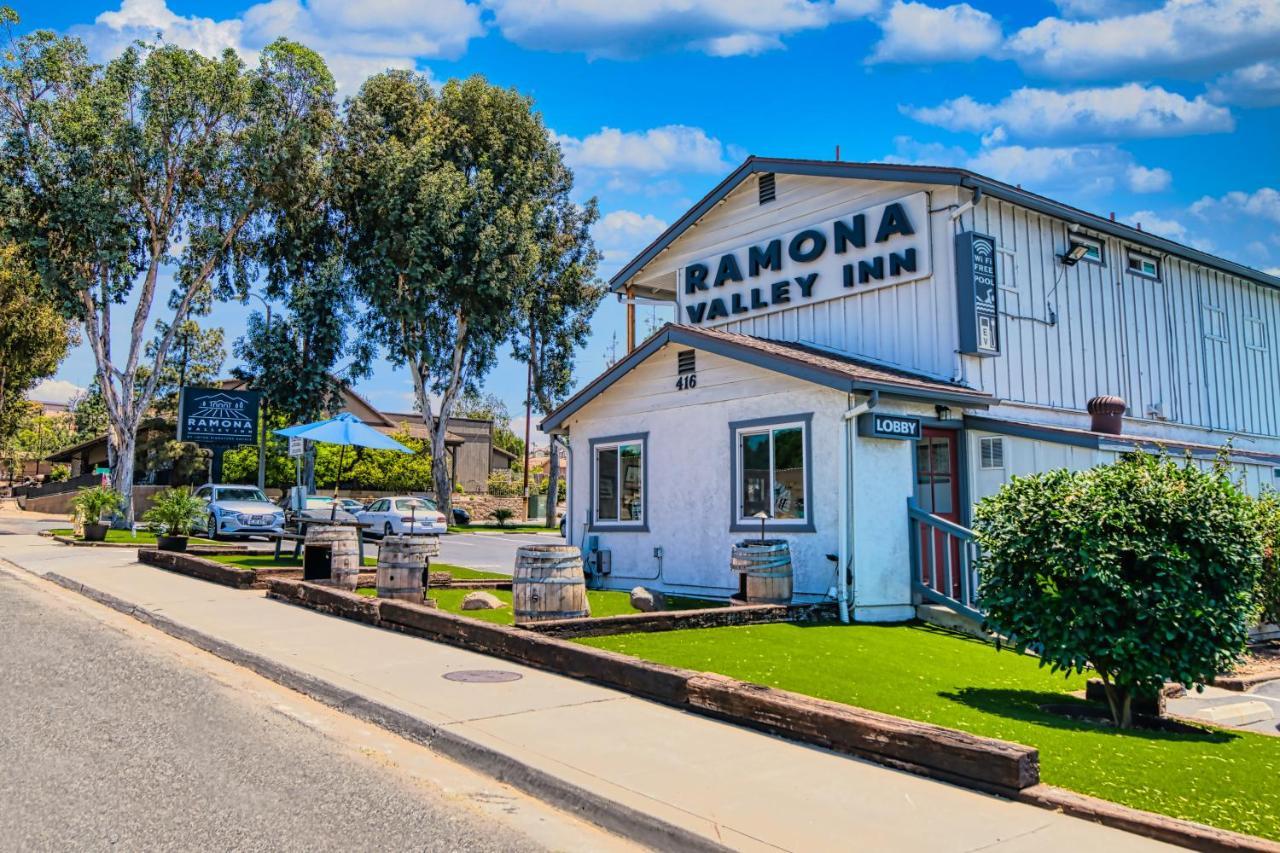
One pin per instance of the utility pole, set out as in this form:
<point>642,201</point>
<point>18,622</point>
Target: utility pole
<point>528,415</point>
<point>262,410</point>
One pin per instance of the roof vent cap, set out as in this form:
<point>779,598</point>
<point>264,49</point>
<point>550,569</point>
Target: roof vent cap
<point>1107,413</point>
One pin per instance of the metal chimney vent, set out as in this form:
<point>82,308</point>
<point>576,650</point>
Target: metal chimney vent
<point>768,187</point>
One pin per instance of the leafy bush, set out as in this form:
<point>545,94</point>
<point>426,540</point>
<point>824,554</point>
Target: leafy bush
<point>1144,569</point>
<point>94,502</point>
<point>174,512</point>
<point>59,473</point>
<point>502,515</point>
<point>503,484</point>
<point>1269,582</point>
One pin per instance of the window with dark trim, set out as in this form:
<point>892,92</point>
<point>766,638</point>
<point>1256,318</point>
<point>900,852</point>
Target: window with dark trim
<point>1094,253</point>
<point>772,473</point>
<point>618,486</point>
<point>1144,265</point>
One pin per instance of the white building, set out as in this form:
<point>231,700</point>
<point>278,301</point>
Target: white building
<point>855,337</point>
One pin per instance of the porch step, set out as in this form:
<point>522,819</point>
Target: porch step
<point>945,617</point>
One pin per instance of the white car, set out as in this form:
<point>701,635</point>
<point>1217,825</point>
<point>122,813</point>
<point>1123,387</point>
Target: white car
<point>403,515</point>
<point>238,511</point>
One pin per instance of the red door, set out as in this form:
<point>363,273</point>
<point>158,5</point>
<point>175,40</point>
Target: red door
<point>938,492</point>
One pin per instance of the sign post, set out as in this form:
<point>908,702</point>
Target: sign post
<point>218,419</point>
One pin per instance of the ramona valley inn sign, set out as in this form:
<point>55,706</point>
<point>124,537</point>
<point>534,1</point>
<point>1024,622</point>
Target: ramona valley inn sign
<point>875,247</point>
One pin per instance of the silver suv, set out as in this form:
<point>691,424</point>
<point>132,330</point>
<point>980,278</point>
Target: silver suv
<point>238,511</point>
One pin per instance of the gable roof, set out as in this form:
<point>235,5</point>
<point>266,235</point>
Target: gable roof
<point>843,373</point>
<point>947,176</point>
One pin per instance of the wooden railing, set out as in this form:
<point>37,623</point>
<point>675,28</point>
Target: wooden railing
<point>943,558</point>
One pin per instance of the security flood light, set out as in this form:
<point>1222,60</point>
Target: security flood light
<point>1074,254</point>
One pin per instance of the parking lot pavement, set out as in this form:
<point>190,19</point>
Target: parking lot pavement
<point>490,552</point>
<point>1257,710</point>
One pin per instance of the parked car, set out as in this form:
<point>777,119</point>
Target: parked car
<point>403,515</point>
<point>351,505</point>
<point>461,517</point>
<point>238,511</point>
<point>320,507</point>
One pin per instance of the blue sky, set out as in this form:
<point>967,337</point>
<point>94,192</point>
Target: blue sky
<point>1165,113</point>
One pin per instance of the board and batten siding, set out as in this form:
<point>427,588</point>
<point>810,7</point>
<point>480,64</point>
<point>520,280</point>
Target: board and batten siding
<point>910,325</point>
<point>1177,350</point>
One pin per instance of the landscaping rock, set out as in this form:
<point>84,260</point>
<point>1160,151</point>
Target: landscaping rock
<point>439,579</point>
<point>482,601</point>
<point>648,600</point>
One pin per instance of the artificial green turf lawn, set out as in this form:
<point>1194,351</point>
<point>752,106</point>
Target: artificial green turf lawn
<point>1225,779</point>
<point>267,561</point>
<point>144,537</point>
<point>604,602</point>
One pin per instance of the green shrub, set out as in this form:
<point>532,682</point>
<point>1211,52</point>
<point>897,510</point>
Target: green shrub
<point>59,473</point>
<point>1144,569</point>
<point>502,515</point>
<point>503,484</point>
<point>94,502</point>
<point>174,512</point>
<point>1269,581</point>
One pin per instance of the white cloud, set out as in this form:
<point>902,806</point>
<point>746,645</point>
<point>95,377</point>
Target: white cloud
<point>1068,172</point>
<point>1144,180</point>
<point>355,40</point>
<point>1113,112</point>
<point>621,234</point>
<point>1103,8</point>
<point>1263,203</point>
<point>672,148</point>
<point>1181,36</point>
<point>916,32</point>
<point>1163,226</point>
<point>54,391</point>
<point>634,27</point>
<point>1256,85</point>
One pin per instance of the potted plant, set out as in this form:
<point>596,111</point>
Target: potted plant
<point>172,515</point>
<point>91,504</point>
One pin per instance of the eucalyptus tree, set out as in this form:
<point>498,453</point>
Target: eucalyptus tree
<point>443,194</point>
<point>162,164</point>
<point>557,311</point>
<point>34,338</point>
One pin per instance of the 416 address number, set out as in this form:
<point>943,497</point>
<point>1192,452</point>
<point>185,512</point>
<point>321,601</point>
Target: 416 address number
<point>684,383</point>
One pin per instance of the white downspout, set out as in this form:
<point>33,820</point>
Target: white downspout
<point>846,501</point>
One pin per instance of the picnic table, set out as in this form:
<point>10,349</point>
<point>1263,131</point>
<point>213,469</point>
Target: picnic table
<point>299,535</point>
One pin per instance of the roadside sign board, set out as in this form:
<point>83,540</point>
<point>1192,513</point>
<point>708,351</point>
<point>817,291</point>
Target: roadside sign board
<point>213,416</point>
<point>297,446</point>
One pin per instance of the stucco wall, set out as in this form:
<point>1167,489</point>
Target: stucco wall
<point>688,502</point>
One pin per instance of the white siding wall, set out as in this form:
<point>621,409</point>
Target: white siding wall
<point>1118,333</point>
<point>909,325</point>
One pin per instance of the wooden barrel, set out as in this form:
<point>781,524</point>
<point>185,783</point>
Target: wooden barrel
<point>767,567</point>
<point>344,552</point>
<point>548,584</point>
<point>402,560</point>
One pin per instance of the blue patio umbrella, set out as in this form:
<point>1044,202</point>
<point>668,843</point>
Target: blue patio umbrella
<point>345,429</point>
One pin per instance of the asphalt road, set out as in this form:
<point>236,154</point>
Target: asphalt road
<point>491,552</point>
<point>107,741</point>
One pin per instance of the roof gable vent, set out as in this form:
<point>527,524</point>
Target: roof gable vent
<point>685,361</point>
<point>768,187</point>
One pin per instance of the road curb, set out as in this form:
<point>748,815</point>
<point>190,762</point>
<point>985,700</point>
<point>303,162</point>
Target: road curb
<point>589,806</point>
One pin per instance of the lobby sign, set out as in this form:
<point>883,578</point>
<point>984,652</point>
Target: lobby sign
<point>878,246</point>
<point>213,416</point>
<point>978,294</point>
<point>901,427</point>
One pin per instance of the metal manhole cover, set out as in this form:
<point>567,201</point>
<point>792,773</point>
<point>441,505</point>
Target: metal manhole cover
<point>483,676</point>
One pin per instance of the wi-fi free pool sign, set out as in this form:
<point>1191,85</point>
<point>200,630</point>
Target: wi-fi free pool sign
<point>978,293</point>
<point>214,416</point>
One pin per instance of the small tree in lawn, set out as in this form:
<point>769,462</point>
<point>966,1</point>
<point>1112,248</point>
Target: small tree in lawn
<point>1269,582</point>
<point>502,515</point>
<point>1144,569</point>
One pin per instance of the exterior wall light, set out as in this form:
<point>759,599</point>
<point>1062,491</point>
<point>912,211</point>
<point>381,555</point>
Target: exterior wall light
<point>1074,254</point>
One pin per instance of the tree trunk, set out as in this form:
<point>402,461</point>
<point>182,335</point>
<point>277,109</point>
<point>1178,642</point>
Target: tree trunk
<point>440,474</point>
<point>122,470</point>
<point>1119,701</point>
<point>553,481</point>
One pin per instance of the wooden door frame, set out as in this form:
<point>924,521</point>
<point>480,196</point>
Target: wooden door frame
<point>961,464</point>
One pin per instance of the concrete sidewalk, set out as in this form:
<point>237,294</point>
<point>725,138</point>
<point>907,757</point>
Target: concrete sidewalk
<point>727,785</point>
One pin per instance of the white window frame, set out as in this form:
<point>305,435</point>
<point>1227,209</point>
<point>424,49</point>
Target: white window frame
<point>1255,334</point>
<point>1131,254</point>
<point>982,456</point>
<point>759,426</point>
<point>1093,242</point>
<point>615,442</point>
<point>1215,323</point>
